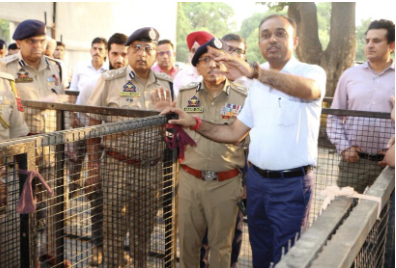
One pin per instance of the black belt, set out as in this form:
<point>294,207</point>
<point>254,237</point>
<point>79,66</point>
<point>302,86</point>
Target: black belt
<point>288,173</point>
<point>371,157</point>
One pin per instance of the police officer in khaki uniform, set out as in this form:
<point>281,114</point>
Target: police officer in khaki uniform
<point>210,177</point>
<point>36,76</point>
<point>130,172</point>
<point>12,125</point>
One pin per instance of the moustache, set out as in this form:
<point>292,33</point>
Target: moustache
<point>274,46</point>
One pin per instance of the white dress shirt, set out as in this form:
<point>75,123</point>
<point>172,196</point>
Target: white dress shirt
<point>84,72</point>
<point>284,129</point>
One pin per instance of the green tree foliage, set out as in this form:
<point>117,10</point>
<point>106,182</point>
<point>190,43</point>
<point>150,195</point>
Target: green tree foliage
<point>213,17</point>
<point>4,30</point>
<point>324,16</point>
<point>361,40</point>
<point>249,31</point>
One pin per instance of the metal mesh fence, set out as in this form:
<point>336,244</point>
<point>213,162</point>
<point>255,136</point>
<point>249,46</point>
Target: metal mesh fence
<point>120,212</point>
<point>92,166</point>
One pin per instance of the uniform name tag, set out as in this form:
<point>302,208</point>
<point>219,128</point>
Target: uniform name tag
<point>193,109</point>
<point>130,94</point>
<point>193,106</point>
<point>23,77</point>
<point>129,90</point>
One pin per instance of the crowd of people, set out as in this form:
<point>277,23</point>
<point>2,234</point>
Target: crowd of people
<point>262,118</point>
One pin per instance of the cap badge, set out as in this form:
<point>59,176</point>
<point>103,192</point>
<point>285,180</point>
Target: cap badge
<point>193,106</point>
<point>218,43</point>
<point>152,34</point>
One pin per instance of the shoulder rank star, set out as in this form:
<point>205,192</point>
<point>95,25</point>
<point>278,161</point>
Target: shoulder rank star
<point>193,106</point>
<point>23,77</point>
<point>129,90</point>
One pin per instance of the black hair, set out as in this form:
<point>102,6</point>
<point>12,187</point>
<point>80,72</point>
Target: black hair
<point>2,44</point>
<point>117,38</point>
<point>384,24</point>
<point>290,20</point>
<point>12,46</point>
<point>60,44</point>
<point>234,37</point>
<point>165,41</point>
<point>99,40</point>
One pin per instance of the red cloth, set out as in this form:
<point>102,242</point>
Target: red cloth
<point>200,37</point>
<point>26,203</point>
<point>180,140</point>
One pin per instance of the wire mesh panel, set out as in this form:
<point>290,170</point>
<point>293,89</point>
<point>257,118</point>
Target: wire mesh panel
<point>372,253</point>
<point>9,218</point>
<point>340,129</point>
<point>122,215</point>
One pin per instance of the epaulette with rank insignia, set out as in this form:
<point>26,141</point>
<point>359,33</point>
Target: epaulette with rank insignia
<point>6,76</point>
<point>163,76</point>
<point>9,59</point>
<point>113,74</point>
<point>192,85</point>
<point>57,64</point>
<point>238,88</point>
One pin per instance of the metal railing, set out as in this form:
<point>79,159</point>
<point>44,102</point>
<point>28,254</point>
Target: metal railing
<point>67,229</point>
<point>327,171</point>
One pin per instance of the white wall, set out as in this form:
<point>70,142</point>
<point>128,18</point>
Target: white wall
<point>80,23</point>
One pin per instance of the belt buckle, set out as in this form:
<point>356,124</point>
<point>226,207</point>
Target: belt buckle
<point>209,175</point>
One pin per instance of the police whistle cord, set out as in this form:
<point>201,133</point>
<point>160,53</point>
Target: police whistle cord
<point>180,140</point>
<point>26,203</point>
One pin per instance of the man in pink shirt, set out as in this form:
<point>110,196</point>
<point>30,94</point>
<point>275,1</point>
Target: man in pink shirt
<point>190,73</point>
<point>362,141</point>
<point>166,58</point>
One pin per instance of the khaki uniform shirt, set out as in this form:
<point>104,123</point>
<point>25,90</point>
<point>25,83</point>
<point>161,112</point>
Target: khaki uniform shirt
<point>209,155</point>
<point>36,85</point>
<point>12,121</point>
<point>122,88</point>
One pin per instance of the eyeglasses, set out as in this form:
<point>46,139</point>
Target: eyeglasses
<point>148,49</point>
<point>236,50</point>
<point>162,53</point>
<point>206,60</point>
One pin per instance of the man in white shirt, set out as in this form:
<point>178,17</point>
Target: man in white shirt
<point>282,113</point>
<point>84,71</point>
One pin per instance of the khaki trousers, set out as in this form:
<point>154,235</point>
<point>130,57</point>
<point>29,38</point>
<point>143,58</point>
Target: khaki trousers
<point>202,205</point>
<point>131,199</point>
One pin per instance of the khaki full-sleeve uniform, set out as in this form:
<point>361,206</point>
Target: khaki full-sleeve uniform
<point>131,188</point>
<point>12,125</point>
<point>37,85</point>
<point>209,204</point>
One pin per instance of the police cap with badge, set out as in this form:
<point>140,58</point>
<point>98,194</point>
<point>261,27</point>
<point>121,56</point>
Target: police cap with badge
<point>29,28</point>
<point>146,34</point>
<point>215,43</point>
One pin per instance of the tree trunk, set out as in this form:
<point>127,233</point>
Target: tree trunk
<point>340,52</point>
<point>309,48</point>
